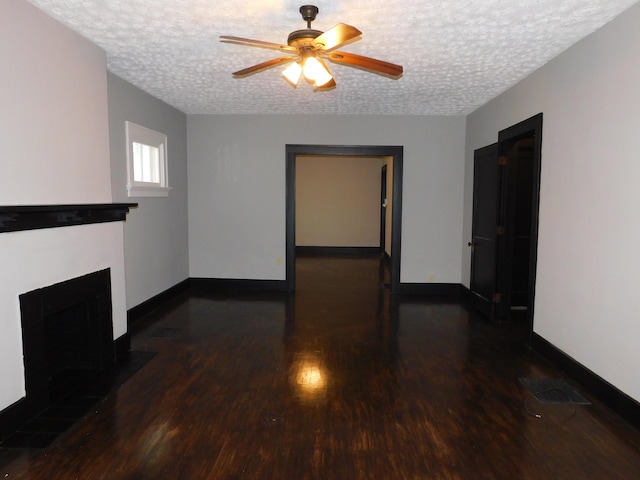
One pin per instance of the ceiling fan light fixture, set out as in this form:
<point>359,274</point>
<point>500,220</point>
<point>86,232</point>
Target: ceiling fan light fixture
<point>292,73</point>
<point>315,72</point>
<point>309,47</point>
<point>324,78</point>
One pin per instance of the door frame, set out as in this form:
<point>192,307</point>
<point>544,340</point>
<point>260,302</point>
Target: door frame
<point>531,127</point>
<point>383,209</point>
<point>396,152</point>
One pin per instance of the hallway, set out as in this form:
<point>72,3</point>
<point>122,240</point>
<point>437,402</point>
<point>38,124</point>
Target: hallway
<point>338,381</point>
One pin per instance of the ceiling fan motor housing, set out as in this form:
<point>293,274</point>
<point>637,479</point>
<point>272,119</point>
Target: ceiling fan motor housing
<point>301,37</point>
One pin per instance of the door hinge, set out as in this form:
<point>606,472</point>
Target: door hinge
<point>502,160</point>
<point>497,298</point>
<point>500,230</point>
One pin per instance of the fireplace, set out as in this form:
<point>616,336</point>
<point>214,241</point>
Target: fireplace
<point>40,246</point>
<point>66,328</point>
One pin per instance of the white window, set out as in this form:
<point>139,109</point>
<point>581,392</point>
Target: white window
<point>146,162</point>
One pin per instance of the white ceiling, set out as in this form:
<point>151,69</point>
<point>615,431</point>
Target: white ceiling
<point>456,54</point>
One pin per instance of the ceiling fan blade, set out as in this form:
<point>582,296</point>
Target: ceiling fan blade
<point>336,37</point>
<point>247,42</point>
<point>245,72</point>
<point>366,63</point>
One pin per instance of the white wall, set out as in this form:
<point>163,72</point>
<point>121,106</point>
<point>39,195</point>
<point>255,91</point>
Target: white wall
<point>588,264</point>
<point>156,232</point>
<point>53,127</point>
<point>338,201</point>
<point>37,258</point>
<point>237,189</point>
<point>54,149</point>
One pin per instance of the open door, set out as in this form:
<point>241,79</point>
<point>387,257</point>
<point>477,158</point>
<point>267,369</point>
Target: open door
<point>506,192</point>
<point>486,188</point>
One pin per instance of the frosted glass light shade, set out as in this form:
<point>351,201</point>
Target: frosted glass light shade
<point>315,72</point>
<point>292,73</point>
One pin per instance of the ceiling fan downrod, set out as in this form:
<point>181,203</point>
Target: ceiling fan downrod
<point>300,37</point>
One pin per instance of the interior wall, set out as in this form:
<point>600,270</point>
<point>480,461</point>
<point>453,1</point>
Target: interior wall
<point>54,149</point>
<point>338,201</point>
<point>237,189</point>
<point>156,232</point>
<point>54,137</point>
<point>587,270</point>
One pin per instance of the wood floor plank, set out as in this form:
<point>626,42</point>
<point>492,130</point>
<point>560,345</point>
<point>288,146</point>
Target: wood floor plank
<point>338,381</point>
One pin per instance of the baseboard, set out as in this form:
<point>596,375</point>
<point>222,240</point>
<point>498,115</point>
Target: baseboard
<point>474,302</point>
<point>148,306</point>
<point>465,295</point>
<point>14,416</point>
<point>431,289</point>
<point>453,290</point>
<point>201,284</point>
<point>237,285</point>
<point>619,402</point>
<point>122,347</point>
<point>338,251</point>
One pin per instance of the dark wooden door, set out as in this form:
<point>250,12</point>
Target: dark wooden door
<point>506,189</point>
<point>486,197</point>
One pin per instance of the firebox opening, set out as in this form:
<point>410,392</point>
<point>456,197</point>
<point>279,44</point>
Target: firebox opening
<point>67,334</point>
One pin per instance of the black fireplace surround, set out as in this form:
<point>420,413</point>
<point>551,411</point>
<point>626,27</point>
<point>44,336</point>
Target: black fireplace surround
<point>65,327</point>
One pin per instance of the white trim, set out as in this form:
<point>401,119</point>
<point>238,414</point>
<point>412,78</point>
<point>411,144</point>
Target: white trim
<point>152,191</point>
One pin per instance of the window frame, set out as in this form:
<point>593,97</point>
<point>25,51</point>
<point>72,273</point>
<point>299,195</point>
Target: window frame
<point>139,134</point>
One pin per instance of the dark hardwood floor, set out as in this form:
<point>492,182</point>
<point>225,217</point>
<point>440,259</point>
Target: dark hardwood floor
<point>338,381</point>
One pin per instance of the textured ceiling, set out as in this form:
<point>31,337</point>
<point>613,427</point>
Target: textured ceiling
<point>456,54</point>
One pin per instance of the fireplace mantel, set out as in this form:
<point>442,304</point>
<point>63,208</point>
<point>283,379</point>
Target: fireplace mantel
<point>32,217</point>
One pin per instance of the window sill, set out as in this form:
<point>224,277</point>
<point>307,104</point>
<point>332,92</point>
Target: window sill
<point>138,191</point>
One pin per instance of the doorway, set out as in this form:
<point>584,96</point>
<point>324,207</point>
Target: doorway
<point>396,152</point>
<point>505,222</point>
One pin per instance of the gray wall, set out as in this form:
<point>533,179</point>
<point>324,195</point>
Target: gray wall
<point>588,264</point>
<point>237,189</point>
<point>156,232</point>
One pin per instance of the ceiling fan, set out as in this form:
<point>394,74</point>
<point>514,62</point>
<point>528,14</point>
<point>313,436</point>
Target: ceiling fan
<point>308,49</point>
